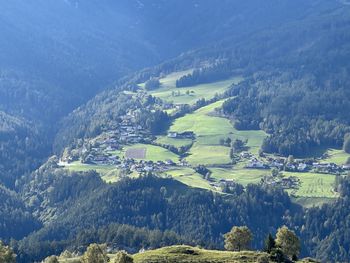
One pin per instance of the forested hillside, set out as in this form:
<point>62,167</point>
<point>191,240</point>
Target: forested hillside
<point>291,67</point>
<point>16,221</point>
<point>92,211</point>
<point>55,55</point>
<point>160,204</point>
<point>20,151</point>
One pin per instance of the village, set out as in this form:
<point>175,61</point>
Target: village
<point>110,148</point>
<point>291,165</point>
<point>102,151</point>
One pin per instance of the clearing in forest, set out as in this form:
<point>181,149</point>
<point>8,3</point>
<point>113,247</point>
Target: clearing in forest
<point>190,95</point>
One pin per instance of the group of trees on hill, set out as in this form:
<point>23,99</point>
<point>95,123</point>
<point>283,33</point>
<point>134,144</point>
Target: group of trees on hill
<point>205,75</point>
<point>286,245</point>
<point>346,145</point>
<point>152,84</point>
<point>20,152</point>
<point>16,220</point>
<point>6,254</point>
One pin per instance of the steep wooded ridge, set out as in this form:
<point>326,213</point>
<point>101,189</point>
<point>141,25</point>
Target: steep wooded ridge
<point>16,220</point>
<point>57,56</point>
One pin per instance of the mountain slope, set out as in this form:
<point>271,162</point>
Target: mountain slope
<point>55,55</point>
<point>15,219</point>
<point>279,64</point>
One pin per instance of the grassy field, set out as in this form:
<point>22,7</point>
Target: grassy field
<point>206,91</point>
<point>240,175</point>
<point>189,177</point>
<point>314,185</point>
<point>153,153</point>
<point>188,254</point>
<point>206,150</point>
<point>178,254</point>
<point>175,142</point>
<point>209,130</point>
<point>337,156</point>
<point>315,189</point>
<point>208,154</point>
<point>109,173</point>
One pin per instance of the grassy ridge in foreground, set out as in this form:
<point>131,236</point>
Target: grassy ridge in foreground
<point>182,254</point>
<point>188,254</point>
<point>178,254</point>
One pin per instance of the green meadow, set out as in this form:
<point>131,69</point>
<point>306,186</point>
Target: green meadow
<point>314,185</point>
<point>188,254</point>
<point>337,156</point>
<point>189,95</point>
<point>209,129</point>
<point>189,177</point>
<point>153,153</point>
<point>179,254</point>
<point>109,173</point>
<point>175,142</point>
<point>240,175</point>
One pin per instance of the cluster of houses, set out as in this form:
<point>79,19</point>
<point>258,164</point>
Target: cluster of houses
<point>223,183</point>
<point>294,166</point>
<point>254,163</point>
<point>95,151</point>
<point>130,131</point>
<point>330,168</point>
<point>102,159</point>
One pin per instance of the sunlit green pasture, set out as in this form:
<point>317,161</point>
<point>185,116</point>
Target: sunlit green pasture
<point>314,185</point>
<point>189,95</point>
<point>153,153</point>
<point>209,129</point>
<point>109,173</point>
<point>189,177</point>
<point>337,156</point>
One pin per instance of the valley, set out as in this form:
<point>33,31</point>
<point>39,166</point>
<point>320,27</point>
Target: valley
<point>197,149</point>
<point>155,127</point>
